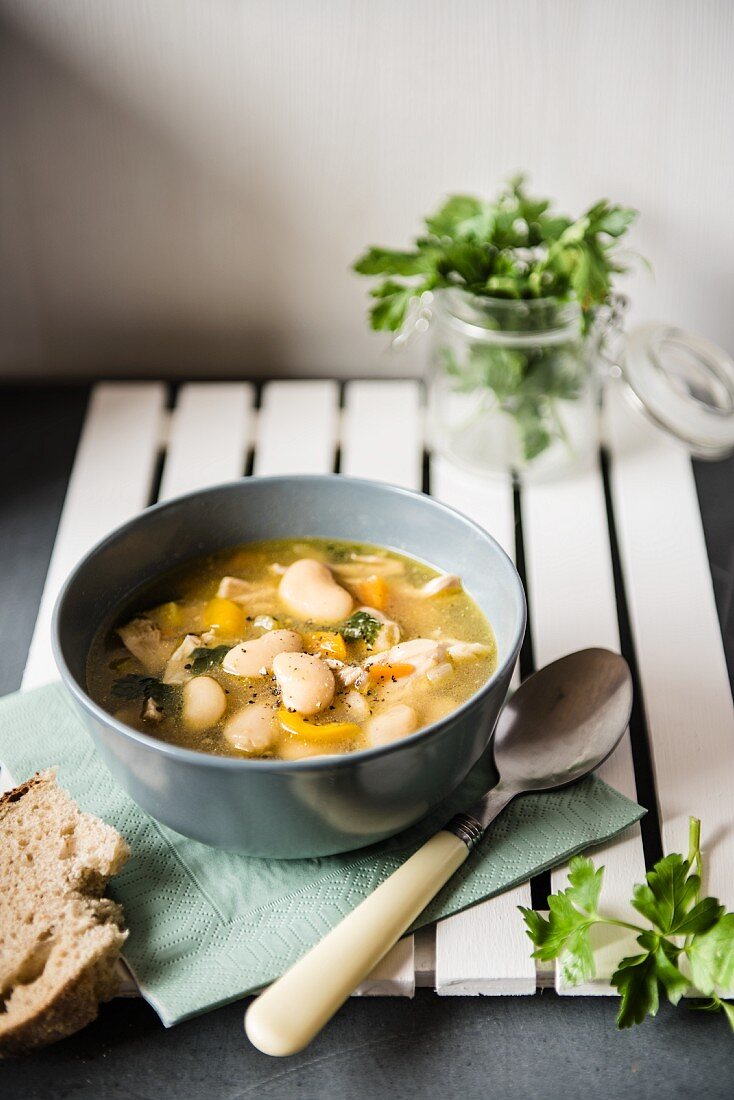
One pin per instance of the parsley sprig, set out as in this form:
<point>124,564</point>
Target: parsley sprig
<point>134,686</point>
<point>361,626</point>
<point>203,658</point>
<point>686,931</point>
<point>513,247</point>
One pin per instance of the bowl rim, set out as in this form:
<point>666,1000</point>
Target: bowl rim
<point>313,763</point>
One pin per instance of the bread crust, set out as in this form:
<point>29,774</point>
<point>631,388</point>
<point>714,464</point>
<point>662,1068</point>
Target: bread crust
<point>60,939</point>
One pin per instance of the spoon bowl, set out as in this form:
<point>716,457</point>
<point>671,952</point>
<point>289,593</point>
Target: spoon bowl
<point>564,721</point>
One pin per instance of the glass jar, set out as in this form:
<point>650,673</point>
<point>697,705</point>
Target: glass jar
<point>512,385</point>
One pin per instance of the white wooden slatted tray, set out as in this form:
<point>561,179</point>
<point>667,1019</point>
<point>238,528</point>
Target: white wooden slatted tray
<point>315,427</point>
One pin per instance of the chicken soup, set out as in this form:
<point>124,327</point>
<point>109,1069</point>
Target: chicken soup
<point>292,648</point>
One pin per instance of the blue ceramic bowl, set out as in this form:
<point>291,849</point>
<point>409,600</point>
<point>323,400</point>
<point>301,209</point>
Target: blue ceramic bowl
<point>290,809</point>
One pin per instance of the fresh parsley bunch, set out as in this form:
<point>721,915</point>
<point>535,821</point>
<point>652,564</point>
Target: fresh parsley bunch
<point>689,946</point>
<point>515,247</point>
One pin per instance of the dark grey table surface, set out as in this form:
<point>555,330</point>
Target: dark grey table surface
<point>503,1047</point>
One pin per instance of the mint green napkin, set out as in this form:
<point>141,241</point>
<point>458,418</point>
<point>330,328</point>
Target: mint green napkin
<point>207,927</point>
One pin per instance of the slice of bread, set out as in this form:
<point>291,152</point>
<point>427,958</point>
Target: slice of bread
<point>59,937</point>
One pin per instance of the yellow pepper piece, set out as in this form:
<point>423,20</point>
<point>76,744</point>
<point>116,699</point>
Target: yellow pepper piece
<point>224,616</point>
<point>169,617</point>
<point>372,591</point>
<point>326,642</point>
<point>297,725</point>
<point>380,674</point>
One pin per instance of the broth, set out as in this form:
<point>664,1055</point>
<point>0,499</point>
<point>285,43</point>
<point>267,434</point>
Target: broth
<point>292,648</point>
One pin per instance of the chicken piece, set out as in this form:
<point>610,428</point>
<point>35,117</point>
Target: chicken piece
<point>176,671</point>
<point>422,653</point>
<point>466,651</point>
<point>391,725</point>
<point>143,639</point>
<point>440,672</point>
<point>152,712</point>
<point>364,565</point>
<point>243,592</point>
<point>345,675</point>
<point>447,582</point>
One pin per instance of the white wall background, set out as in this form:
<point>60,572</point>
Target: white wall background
<point>183,183</point>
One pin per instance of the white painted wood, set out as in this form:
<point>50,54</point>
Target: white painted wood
<point>685,687</point>
<point>297,430</point>
<point>209,433</point>
<point>382,432</point>
<point>202,126</point>
<point>382,439</point>
<point>573,605</point>
<point>484,949</point>
<point>110,482</point>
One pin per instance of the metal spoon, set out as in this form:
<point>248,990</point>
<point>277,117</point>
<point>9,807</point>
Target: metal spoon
<point>561,724</point>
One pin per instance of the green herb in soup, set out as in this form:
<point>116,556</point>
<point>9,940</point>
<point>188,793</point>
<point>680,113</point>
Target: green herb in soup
<point>293,648</point>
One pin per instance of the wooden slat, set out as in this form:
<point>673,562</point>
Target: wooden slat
<point>484,949</point>
<point>209,434</point>
<point>382,432</point>
<point>110,482</point>
<point>297,428</point>
<point>680,656</point>
<point>573,605</point>
<point>393,455</point>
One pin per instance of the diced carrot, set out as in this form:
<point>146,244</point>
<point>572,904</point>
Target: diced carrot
<point>380,674</point>
<point>326,642</point>
<point>372,591</point>
<point>297,725</point>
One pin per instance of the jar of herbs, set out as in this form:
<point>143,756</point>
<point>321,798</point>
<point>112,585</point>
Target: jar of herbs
<point>513,385</point>
<point>525,327</point>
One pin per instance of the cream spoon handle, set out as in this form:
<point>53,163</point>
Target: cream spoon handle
<point>292,1011</point>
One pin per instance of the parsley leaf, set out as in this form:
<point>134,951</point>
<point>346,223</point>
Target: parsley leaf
<point>565,934</point>
<point>711,956</point>
<point>203,658</point>
<point>668,894</point>
<point>132,687</point>
<point>637,984</point>
<point>361,626</point>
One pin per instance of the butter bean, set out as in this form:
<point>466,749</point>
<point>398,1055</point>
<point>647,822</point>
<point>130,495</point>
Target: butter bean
<point>204,703</point>
<point>308,589</point>
<point>253,729</point>
<point>255,658</point>
<point>306,683</point>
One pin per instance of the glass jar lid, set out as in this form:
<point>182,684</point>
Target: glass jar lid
<point>684,384</point>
